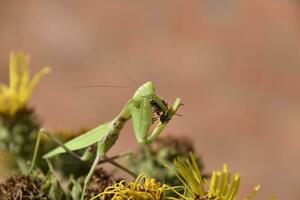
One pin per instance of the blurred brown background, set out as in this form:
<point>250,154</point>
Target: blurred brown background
<point>235,64</point>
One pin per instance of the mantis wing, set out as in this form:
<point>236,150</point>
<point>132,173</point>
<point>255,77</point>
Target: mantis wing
<point>82,141</point>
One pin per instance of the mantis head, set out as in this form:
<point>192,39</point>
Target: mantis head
<point>145,90</point>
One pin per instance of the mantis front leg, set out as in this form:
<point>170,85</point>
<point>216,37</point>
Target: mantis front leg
<point>142,119</point>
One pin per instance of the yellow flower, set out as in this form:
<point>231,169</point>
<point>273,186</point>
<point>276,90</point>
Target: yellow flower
<point>14,97</point>
<point>187,170</point>
<point>143,188</point>
<point>221,186</point>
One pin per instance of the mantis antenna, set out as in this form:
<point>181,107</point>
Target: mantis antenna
<point>110,86</point>
<point>128,77</point>
<point>103,86</point>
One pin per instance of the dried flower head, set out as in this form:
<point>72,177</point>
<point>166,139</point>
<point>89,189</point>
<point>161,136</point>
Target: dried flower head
<point>22,187</point>
<point>14,97</point>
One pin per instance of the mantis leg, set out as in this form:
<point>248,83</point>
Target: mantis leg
<point>56,140</point>
<point>89,175</point>
<point>36,150</point>
<point>111,161</point>
<point>115,157</point>
<point>91,172</point>
<point>49,134</point>
<point>98,160</point>
<point>142,120</point>
<point>162,124</point>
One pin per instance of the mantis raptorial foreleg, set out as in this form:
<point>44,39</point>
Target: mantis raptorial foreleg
<point>142,123</point>
<point>141,108</point>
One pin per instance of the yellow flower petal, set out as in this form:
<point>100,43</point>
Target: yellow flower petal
<point>16,95</point>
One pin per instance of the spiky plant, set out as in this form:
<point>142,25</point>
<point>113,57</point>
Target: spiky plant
<point>18,122</point>
<point>153,158</point>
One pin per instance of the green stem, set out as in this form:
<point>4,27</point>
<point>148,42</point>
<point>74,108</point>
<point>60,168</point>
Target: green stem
<point>36,149</point>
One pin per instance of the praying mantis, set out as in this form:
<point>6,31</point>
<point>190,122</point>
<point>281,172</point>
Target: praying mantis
<point>143,108</point>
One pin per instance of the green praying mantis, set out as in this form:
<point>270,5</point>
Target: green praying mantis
<point>143,108</point>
